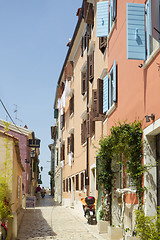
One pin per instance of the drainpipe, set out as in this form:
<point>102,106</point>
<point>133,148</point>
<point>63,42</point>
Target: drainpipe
<point>87,152</point>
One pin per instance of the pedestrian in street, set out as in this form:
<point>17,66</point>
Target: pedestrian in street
<point>37,192</point>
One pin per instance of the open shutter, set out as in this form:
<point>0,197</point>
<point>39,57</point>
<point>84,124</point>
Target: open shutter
<point>114,82</point>
<point>102,19</point>
<point>102,43</point>
<point>105,94</point>
<point>136,31</point>
<point>83,82</point>
<point>82,133</point>
<point>69,70</point>
<point>88,13</point>
<point>100,96</point>
<point>91,125</point>
<point>91,67</point>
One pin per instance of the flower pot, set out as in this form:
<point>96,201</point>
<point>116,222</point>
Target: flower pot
<point>103,226</point>
<point>115,233</point>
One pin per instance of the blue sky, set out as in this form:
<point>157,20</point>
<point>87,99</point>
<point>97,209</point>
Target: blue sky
<point>33,38</point>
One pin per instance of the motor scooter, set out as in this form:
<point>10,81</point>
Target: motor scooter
<point>89,208</point>
<point>43,192</point>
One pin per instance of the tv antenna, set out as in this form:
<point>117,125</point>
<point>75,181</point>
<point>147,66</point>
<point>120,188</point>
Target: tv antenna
<point>15,111</point>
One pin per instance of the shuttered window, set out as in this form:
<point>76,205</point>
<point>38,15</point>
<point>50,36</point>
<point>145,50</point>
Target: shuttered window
<point>72,143</point>
<point>95,115</point>
<point>62,121</point>
<point>100,96</point>
<point>82,181</point>
<point>68,145</point>
<point>102,18</point>
<point>105,94</point>
<point>136,31</point>
<point>77,182</point>
<point>113,11</point>
<point>69,70</point>
<point>112,85</point>
<point>83,82</point>
<point>91,67</point>
<point>67,185</point>
<point>71,105</point>
<point>83,132</point>
<point>102,44</point>
<point>153,25</point>
<point>63,152</point>
<point>88,13</point>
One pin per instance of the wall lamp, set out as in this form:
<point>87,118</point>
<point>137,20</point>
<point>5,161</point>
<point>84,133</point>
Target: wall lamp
<point>152,117</point>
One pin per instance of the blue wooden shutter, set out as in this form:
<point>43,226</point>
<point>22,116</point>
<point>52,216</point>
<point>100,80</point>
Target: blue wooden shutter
<point>136,31</point>
<point>102,19</point>
<point>114,82</point>
<point>105,94</point>
<point>148,8</point>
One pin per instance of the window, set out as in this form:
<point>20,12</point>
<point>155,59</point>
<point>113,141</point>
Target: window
<point>77,182</point>
<point>85,39</point>
<point>70,184</point>
<point>71,105</point>
<point>83,82</point>
<point>105,17</point>
<point>70,144</point>
<point>69,70</point>
<point>110,89</point>
<point>102,44</point>
<point>136,30</point>
<point>63,185</point>
<point>153,25</point>
<point>82,181</point>
<point>88,13</point>
<point>83,132</point>
<point>67,185</point>
<point>91,67</point>
<point>96,116</point>
<point>62,121</point>
<point>63,152</point>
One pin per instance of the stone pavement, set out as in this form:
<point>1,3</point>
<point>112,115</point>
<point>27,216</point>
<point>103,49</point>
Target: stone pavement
<point>50,221</point>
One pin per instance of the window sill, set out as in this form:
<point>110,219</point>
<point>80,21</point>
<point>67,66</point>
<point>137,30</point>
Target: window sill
<point>84,96</point>
<point>151,57</point>
<point>112,108</point>
<point>71,116</point>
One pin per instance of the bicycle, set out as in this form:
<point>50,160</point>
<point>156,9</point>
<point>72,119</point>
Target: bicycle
<point>3,231</point>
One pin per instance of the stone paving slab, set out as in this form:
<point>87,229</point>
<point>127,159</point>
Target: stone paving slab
<point>49,221</point>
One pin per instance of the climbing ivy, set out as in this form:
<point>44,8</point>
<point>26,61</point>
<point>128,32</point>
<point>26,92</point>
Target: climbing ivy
<point>125,140</point>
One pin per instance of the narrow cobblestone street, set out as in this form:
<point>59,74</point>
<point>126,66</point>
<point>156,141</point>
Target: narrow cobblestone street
<point>49,221</point>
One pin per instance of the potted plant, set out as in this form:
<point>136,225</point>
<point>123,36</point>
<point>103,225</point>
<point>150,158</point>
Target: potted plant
<point>103,222</point>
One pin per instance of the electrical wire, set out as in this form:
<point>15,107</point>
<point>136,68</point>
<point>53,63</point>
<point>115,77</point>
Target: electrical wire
<point>9,115</point>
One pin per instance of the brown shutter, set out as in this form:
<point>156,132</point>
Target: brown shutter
<point>91,125</point>
<point>88,13</point>
<point>77,182</point>
<point>95,115</point>
<point>82,133</point>
<point>83,82</point>
<point>82,181</point>
<point>91,67</point>
<point>69,70</point>
<point>62,152</point>
<point>102,43</point>
<point>82,47</point>
<point>71,105</point>
<point>100,96</point>
<point>68,145</point>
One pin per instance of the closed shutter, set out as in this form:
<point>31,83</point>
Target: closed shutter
<point>82,181</point>
<point>83,82</point>
<point>91,67</point>
<point>82,47</point>
<point>136,31</point>
<point>114,82</point>
<point>102,44</point>
<point>68,145</point>
<point>102,19</point>
<point>105,94</point>
<point>62,152</point>
<point>94,103</point>
<point>100,96</point>
<point>88,13</point>
<point>91,125</point>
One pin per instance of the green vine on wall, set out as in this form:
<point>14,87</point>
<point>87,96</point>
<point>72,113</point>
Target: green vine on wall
<point>125,140</point>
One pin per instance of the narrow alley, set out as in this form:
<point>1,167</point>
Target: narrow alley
<point>50,221</point>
